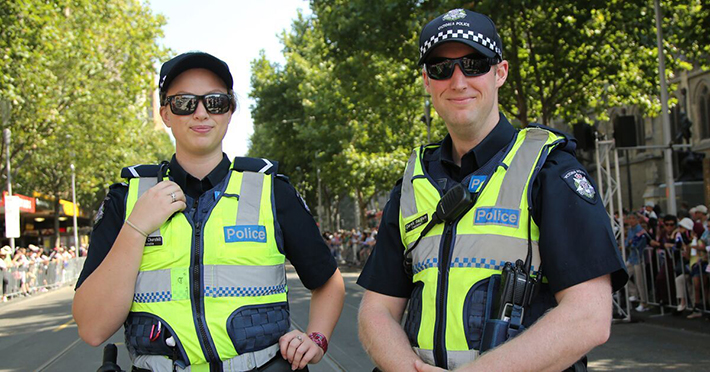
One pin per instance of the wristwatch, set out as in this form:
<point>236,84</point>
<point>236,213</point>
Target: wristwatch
<point>320,340</point>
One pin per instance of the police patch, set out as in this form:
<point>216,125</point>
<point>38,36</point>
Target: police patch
<point>577,180</point>
<point>100,212</point>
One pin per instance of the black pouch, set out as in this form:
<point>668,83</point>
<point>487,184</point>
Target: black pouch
<point>138,329</point>
<point>497,331</point>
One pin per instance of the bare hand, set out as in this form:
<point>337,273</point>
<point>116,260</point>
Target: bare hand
<point>299,349</point>
<point>423,367</point>
<point>156,205</point>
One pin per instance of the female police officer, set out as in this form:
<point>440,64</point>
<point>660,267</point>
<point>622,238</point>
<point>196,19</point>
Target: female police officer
<point>190,254</point>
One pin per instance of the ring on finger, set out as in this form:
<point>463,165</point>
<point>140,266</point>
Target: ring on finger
<point>300,338</point>
<point>172,195</point>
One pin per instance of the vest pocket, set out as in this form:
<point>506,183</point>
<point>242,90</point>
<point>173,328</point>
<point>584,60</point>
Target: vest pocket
<point>476,311</point>
<point>137,331</point>
<point>256,327</point>
<point>414,314</point>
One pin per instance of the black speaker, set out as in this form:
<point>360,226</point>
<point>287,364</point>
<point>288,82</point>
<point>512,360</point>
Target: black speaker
<point>625,131</point>
<point>584,134</point>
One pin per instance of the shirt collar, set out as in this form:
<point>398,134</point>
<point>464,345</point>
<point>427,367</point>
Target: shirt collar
<point>495,141</point>
<point>195,187</point>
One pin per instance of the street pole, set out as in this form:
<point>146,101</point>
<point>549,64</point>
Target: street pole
<point>666,120</point>
<point>76,210</point>
<point>7,134</point>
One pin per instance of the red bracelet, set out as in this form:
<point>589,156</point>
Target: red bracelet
<point>320,340</point>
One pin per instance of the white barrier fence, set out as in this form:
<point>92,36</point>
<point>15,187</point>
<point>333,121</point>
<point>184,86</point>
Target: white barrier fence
<point>39,276</point>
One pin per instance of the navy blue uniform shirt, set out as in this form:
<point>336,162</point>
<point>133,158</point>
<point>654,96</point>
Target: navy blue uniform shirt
<point>304,246</point>
<point>576,240</point>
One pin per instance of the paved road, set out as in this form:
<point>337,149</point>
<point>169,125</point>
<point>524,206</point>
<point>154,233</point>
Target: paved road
<point>38,334</point>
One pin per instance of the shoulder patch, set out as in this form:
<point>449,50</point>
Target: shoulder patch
<point>140,170</point>
<point>100,212</point>
<point>578,181</point>
<point>260,165</point>
<point>303,201</point>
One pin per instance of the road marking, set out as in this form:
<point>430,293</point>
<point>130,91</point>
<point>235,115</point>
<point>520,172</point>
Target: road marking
<point>65,325</point>
<point>56,357</point>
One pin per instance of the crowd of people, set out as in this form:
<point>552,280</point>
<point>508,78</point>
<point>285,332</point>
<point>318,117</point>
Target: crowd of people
<point>667,259</point>
<point>29,269</point>
<point>351,247</point>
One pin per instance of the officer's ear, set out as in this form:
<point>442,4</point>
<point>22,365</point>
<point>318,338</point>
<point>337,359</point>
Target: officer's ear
<point>501,73</point>
<point>164,115</point>
<point>425,79</point>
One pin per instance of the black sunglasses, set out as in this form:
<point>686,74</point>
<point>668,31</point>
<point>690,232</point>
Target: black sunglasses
<point>471,65</point>
<point>186,104</point>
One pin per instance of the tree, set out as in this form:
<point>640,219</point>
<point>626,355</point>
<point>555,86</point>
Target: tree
<point>348,99</point>
<point>78,77</point>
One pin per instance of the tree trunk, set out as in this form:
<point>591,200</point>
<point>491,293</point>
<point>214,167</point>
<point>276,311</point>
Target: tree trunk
<point>362,207</point>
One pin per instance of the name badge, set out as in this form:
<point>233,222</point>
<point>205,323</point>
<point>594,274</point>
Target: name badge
<point>153,241</point>
<point>245,233</point>
<point>497,216</point>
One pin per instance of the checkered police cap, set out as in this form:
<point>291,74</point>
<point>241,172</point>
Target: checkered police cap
<point>186,61</point>
<point>471,28</point>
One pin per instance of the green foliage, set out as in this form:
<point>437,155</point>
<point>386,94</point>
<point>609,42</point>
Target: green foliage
<point>349,98</point>
<point>78,77</point>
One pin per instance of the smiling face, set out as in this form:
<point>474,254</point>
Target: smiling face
<point>200,133</point>
<point>468,105</point>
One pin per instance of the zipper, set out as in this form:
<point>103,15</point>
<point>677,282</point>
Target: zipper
<point>196,289</point>
<point>441,297</point>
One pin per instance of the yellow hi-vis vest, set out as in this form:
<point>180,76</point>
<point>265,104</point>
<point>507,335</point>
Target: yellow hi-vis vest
<point>216,285</point>
<point>447,308</point>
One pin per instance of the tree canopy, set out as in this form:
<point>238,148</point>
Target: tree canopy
<point>76,80</point>
<point>349,99</point>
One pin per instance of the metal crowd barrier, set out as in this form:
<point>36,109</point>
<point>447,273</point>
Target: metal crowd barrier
<point>666,277</point>
<point>39,276</point>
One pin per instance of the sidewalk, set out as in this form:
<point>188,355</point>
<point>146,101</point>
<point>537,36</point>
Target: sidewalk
<point>672,320</point>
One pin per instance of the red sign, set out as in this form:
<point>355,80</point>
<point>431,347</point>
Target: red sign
<point>27,204</point>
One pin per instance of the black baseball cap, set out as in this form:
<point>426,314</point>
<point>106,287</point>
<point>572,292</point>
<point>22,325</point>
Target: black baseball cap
<point>464,26</point>
<point>186,61</point>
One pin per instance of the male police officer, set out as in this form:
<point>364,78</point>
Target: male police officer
<point>526,201</point>
<point>190,254</point>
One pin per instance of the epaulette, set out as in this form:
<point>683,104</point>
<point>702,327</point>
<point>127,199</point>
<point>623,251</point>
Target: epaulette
<point>284,178</point>
<point>118,185</point>
<point>570,144</point>
<point>140,170</point>
<point>258,165</point>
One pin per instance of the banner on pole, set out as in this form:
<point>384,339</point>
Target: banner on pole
<point>12,216</point>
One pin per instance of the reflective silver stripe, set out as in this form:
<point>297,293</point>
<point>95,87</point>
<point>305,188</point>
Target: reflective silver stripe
<point>153,286</point>
<point>244,362</point>
<point>244,281</point>
<point>408,203</point>
<point>454,358</point>
<point>145,183</point>
<point>486,251</point>
<point>491,251</point>
<point>250,198</point>
<point>220,281</point>
<point>516,177</point>
<point>426,254</point>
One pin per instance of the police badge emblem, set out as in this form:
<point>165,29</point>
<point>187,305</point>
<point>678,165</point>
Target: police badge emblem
<point>577,180</point>
<point>454,15</point>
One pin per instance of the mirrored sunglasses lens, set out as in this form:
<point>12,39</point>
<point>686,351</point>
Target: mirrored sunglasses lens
<point>183,104</point>
<point>440,70</point>
<point>217,103</point>
<point>474,66</point>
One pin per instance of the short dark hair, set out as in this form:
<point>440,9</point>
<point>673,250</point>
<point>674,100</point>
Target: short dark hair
<point>670,218</point>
